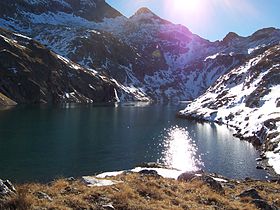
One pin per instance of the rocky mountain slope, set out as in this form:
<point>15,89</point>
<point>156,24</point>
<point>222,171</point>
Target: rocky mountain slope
<point>247,99</point>
<point>147,55</point>
<point>30,73</point>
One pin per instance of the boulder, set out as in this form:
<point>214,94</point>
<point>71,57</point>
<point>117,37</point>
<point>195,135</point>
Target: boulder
<point>213,184</point>
<point>43,196</point>
<point>263,205</point>
<point>96,182</point>
<point>149,172</point>
<point>187,176</point>
<point>253,193</point>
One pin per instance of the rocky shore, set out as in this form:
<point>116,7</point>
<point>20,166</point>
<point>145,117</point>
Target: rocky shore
<point>246,99</point>
<point>144,189</point>
<point>263,160</point>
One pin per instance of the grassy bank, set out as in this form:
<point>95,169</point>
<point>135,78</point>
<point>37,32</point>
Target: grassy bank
<point>138,191</point>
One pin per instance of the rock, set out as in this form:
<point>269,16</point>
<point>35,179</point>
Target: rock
<point>43,196</point>
<point>249,179</point>
<point>6,189</point>
<point>259,167</point>
<point>108,207</point>
<point>70,190</point>
<point>186,176</point>
<point>213,184</point>
<point>10,186</point>
<point>263,205</point>
<point>275,180</point>
<point>94,182</point>
<point>151,165</point>
<point>229,185</point>
<point>149,172</point>
<point>259,159</point>
<point>70,179</point>
<point>253,193</point>
<point>278,102</point>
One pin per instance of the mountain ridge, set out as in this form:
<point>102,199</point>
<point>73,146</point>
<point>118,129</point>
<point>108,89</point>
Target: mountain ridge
<point>157,57</point>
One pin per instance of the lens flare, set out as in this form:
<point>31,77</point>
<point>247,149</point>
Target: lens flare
<point>180,5</point>
<point>179,151</point>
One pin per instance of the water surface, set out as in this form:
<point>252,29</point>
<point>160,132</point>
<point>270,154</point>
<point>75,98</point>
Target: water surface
<point>40,143</point>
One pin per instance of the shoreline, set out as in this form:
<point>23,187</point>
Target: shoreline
<point>254,140</point>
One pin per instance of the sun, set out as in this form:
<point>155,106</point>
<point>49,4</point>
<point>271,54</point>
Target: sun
<point>191,11</point>
<point>186,5</point>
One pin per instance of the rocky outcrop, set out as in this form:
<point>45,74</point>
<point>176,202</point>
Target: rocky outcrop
<point>246,99</point>
<point>6,189</point>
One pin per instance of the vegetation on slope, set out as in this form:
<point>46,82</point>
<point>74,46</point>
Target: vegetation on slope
<point>5,101</point>
<point>142,192</point>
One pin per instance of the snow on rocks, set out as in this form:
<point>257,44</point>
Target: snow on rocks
<point>97,182</point>
<point>6,189</point>
<point>246,99</point>
<point>164,172</point>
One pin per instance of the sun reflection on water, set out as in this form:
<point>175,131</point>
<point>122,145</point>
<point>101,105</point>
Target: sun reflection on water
<point>179,150</point>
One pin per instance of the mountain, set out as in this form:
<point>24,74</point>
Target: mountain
<point>30,73</point>
<point>157,59</point>
<point>247,99</point>
<point>91,10</point>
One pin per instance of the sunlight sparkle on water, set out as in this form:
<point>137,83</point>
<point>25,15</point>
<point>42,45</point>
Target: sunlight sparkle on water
<point>179,150</point>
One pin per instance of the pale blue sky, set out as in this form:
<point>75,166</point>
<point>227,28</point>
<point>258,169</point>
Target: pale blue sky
<point>211,19</point>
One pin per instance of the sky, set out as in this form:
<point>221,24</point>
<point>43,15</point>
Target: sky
<point>210,19</point>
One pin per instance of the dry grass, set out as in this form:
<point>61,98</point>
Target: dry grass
<point>5,101</point>
<point>139,192</point>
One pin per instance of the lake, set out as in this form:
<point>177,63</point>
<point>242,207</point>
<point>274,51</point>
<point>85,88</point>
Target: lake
<point>40,143</point>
